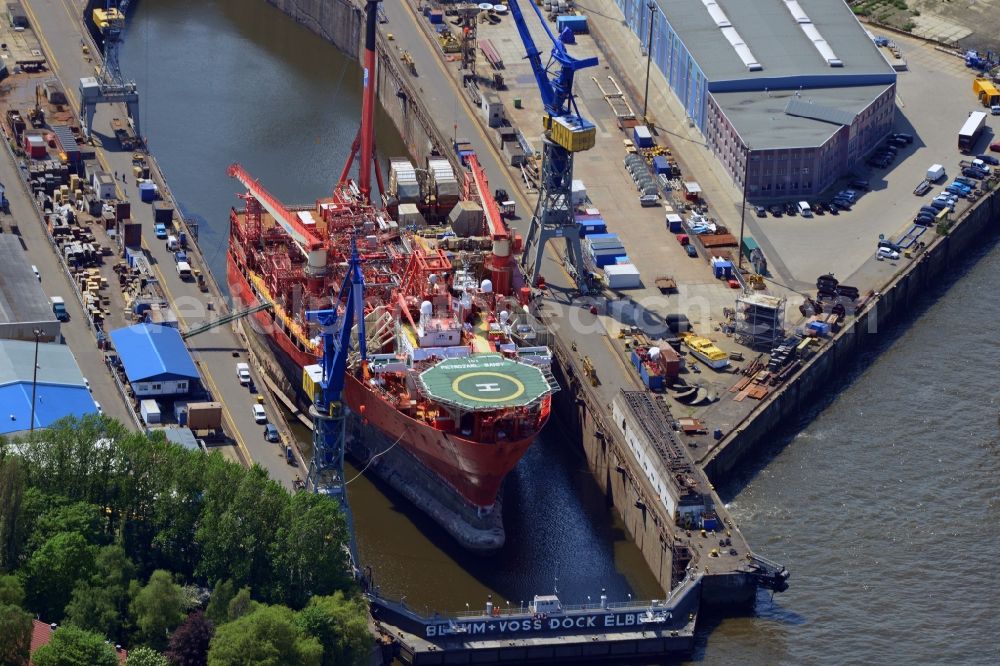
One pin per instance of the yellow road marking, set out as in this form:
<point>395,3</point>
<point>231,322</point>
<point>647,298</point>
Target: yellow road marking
<point>156,270</point>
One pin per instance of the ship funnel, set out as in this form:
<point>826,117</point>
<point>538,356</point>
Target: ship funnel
<point>604,598</point>
<point>486,286</point>
<point>489,605</point>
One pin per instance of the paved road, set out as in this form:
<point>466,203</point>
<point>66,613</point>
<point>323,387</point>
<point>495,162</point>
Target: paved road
<point>26,221</point>
<point>59,28</point>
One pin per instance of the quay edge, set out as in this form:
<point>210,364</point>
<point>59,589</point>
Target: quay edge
<point>893,304</point>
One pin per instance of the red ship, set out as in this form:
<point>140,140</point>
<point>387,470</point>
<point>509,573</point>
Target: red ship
<point>455,375</point>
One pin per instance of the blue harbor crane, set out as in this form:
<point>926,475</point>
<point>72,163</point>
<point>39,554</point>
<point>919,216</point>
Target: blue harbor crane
<point>566,132</point>
<point>110,86</point>
<point>328,412</point>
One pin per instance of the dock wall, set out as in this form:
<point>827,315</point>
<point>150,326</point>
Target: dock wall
<point>895,302</point>
<point>337,21</point>
<point>341,23</point>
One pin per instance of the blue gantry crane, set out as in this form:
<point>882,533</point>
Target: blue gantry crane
<point>328,413</point>
<point>566,132</point>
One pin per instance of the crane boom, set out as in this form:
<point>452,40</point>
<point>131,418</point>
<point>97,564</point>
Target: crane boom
<point>288,220</point>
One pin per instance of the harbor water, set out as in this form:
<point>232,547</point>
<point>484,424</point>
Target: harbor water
<point>882,501</point>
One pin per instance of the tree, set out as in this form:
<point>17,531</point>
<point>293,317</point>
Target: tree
<point>100,603</point>
<point>189,643</point>
<point>157,609</point>
<point>218,604</point>
<point>11,497</point>
<point>145,656</point>
<point>240,605</point>
<point>15,635</point>
<point>268,636</point>
<point>53,571</point>
<point>71,646</point>
<point>311,557</point>
<point>239,537</point>
<point>80,517</point>
<point>11,591</point>
<point>340,623</point>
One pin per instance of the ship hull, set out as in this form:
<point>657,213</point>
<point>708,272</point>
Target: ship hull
<point>474,470</point>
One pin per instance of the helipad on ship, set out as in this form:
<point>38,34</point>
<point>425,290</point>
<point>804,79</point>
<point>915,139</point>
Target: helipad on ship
<point>486,381</point>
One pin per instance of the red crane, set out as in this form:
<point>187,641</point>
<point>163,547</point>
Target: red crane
<point>365,140</point>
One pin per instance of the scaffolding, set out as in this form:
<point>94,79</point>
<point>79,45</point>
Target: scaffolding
<point>760,320</point>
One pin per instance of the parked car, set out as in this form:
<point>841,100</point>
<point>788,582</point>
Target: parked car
<point>861,184</point>
<point>908,138</point>
<point>259,415</point>
<point>819,208</point>
<point>995,147</point>
<point>886,253</point>
<point>271,433</point>
<point>989,159</point>
<point>833,207</point>
<point>930,210</point>
<point>842,203</point>
<point>760,211</point>
<point>924,220</point>
<point>690,250</point>
<point>776,210</point>
<point>160,230</point>
<point>967,181</point>
<point>790,209</point>
<point>899,143</point>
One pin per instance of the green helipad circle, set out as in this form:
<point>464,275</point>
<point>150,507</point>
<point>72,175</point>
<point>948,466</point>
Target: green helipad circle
<point>486,386</point>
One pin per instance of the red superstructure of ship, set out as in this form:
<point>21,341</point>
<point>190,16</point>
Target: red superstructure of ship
<point>455,375</point>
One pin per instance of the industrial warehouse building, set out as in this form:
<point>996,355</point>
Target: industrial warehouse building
<point>59,386</point>
<point>798,85</point>
<point>155,360</point>
<point>24,307</point>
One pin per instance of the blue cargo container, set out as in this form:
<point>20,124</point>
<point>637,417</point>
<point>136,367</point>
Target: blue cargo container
<point>642,137</point>
<point>592,226</point>
<point>622,259</point>
<point>652,382</point>
<point>577,24</point>
<point>661,164</point>
<point>604,236</point>
<point>821,328</point>
<point>603,260</point>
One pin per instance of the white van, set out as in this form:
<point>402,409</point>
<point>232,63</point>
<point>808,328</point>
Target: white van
<point>259,415</point>
<point>804,209</point>
<point>172,243</point>
<point>243,373</point>
<point>184,270</point>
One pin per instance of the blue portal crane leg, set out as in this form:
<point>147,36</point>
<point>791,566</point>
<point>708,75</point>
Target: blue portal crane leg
<point>326,469</point>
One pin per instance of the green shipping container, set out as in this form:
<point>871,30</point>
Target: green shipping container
<point>749,245</point>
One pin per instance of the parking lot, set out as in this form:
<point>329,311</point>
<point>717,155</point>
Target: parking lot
<point>934,98</point>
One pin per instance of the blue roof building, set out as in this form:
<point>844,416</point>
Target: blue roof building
<point>59,391</point>
<point>155,360</point>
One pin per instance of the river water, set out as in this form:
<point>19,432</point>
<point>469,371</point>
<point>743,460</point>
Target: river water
<point>882,501</point>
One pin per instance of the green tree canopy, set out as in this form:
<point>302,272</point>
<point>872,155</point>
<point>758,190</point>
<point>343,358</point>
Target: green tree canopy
<point>71,646</point>
<point>146,656</point>
<point>268,636</point>
<point>100,603</point>
<point>240,604</point>
<point>157,609</point>
<point>218,603</point>
<point>53,571</point>
<point>12,531</point>
<point>341,625</point>
<point>15,635</point>
<point>311,567</point>
<point>80,517</point>
<point>11,591</point>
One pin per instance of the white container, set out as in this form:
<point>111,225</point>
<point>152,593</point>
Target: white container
<point>622,276</point>
<point>935,172</point>
<point>578,193</point>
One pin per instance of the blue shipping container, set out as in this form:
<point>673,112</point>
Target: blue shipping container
<point>578,24</point>
<point>642,137</point>
<point>660,164</point>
